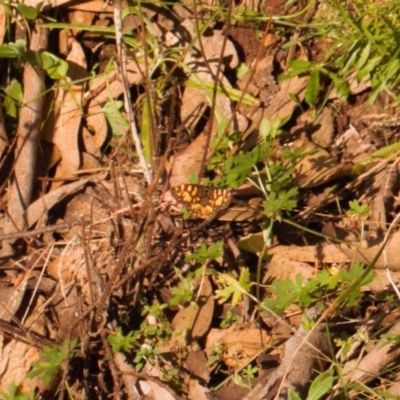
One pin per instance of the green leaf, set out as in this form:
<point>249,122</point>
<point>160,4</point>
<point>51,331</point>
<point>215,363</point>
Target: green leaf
<point>278,201</point>
<point>351,276</point>
<point>391,69</point>
<point>342,89</point>
<point>288,292</point>
<point>242,70</point>
<point>233,289</point>
<point>203,254</point>
<point>239,167</point>
<point>312,89</point>
<point>51,361</point>
<point>119,125</point>
<point>369,66</point>
<point>120,342</point>
<point>265,128</point>
<point>299,67</point>
<point>293,395</point>
<point>295,98</point>
<point>28,12</point>
<point>15,394</point>
<point>321,385</point>
<point>55,67</point>
<point>364,57</point>
<point>145,132</point>
<point>231,93</point>
<point>357,209</point>
<point>13,50</point>
<point>350,62</point>
<point>13,98</point>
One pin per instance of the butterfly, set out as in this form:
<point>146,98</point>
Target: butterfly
<point>202,201</point>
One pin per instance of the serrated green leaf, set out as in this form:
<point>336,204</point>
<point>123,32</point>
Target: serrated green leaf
<point>204,254</point>
<point>233,289</point>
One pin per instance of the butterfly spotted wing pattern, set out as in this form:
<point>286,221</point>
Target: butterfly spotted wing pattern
<point>202,201</point>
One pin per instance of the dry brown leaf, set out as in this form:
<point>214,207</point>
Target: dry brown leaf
<point>40,207</point>
<point>281,267</point>
<point>323,253</point>
<point>368,368</point>
<point>239,345</point>
<point>390,257</point>
<point>94,6</point>
<point>88,204</point>
<point>106,87</point>
<point>10,300</point>
<point>16,358</point>
<point>2,24</point>
<point>282,106</point>
<point>196,364</point>
<point>63,125</point>
<point>154,391</point>
<point>322,127</point>
<point>366,250</point>
<point>303,356</point>
<point>261,83</point>
<point>239,214</point>
<point>188,162</point>
<point>197,391</point>
<point>317,168</point>
<point>47,3</point>
<point>197,317</point>
<point>381,281</point>
<point>151,389</point>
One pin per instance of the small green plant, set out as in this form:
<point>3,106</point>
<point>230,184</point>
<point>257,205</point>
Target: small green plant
<point>204,253</point>
<point>120,342</point>
<point>233,289</point>
<point>146,353</point>
<point>321,385</point>
<point>15,394</point>
<point>357,209</point>
<point>229,319</point>
<point>363,47</point>
<point>52,358</point>
<point>160,328</point>
<point>185,292</point>
<point>288,292</point>
<point>216,356</point>
<point>244,377</point>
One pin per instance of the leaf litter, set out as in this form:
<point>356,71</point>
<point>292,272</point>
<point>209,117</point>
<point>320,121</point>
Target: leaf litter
<point>237,307</point>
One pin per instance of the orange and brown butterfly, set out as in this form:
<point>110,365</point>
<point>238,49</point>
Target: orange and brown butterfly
<point>202,201</point>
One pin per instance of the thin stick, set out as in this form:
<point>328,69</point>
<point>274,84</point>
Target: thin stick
<point>127,95</point>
